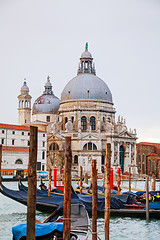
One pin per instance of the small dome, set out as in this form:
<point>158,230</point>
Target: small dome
<point>46,103</point>
<point>86,54</point>
<point>25,87</point>
<point>85,87</point>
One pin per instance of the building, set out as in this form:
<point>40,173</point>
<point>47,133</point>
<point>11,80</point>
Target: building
<point>15,147</point>
<point>148,158</point>
<point>86,113</point>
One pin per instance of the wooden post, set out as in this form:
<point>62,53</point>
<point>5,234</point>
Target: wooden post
<point>81,170</point>
<point>153,182</point>
<point>119,179</point>
<point>129,178</point>
<point>147,200</point>
<point>107,190</point>
<point>67,190</point>
<point>94,200</point>
<point>49,183</point>
<point>0,160</point>
<point>32,184</point>
<point>86,178</point>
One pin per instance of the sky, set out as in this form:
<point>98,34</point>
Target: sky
<point>46,37</point>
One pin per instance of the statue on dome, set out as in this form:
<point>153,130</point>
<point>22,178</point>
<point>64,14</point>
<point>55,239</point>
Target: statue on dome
<point>86,47</point>
<point>48,78</point>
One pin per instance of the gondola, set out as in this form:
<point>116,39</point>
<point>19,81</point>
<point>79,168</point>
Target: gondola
<point>127,208</point>
<point>120,205</point>
<point>117,201</point>
<point>53,226</point>
<point>43,202</point>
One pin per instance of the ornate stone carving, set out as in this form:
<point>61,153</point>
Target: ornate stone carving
<point>69,126</point>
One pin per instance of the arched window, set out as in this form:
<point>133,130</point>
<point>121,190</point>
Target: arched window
<point>121,157</point>
<point>89,146</point>
<point>102,160</point>
<point>93,123</point>
<point>66,120</point>
<point>149,166</point>
<point>143,164</point>
<point>84,123</point>
<point>18,161</point>
<point>153,166</point>
<point>54,146</point>
<point>109,119</point>
<point>139,163</point>
<point>43,155</point>
<point>76,159</point>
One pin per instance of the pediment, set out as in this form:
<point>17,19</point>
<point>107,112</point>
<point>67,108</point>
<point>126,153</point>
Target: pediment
<point>89,137</point>
<point>55,137</point>
<point>125,134</point>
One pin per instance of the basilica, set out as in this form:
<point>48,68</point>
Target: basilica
<point>86,113</point>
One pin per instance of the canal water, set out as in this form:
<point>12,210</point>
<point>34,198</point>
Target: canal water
<point>13,213</point>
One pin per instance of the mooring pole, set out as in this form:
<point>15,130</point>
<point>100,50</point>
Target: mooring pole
<point>147,199</point>
<point>32,184</point>
<point>55,176</point>
<point>107,190</point>
<point>67,190</point>
<point>94,200</point>
<point>81,170</point>
<point>153,182</point>
<point>119,179</point>
<point>129,178</point>
<point>49,183</point>
<point>111,177</point>
<point>86,178</point>
<point>0,160</point>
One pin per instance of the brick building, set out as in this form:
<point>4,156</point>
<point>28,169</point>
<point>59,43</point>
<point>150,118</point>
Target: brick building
<point>148,158</point>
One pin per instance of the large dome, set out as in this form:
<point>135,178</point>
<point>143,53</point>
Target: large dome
<point>86,86</point>
<point>47,102</point>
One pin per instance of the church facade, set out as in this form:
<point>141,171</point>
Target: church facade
<point>86,113</point>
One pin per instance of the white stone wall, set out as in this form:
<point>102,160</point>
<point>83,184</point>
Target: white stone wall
<point>9,157</point>
<point>42,117</point>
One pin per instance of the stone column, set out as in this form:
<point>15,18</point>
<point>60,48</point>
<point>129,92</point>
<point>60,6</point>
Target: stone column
<point>118,144</point>
<point>79,121</point>
<point>112,153</point>
<point>130,154</point>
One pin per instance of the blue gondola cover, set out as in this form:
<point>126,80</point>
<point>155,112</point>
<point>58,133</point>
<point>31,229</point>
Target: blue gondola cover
<point>41,229</point>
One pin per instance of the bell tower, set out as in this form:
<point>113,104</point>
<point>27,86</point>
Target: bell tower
<point>24,109</point>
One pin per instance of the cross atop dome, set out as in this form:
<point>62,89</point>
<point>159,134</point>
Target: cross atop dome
<point>48,78</point>
<point>86,64</point>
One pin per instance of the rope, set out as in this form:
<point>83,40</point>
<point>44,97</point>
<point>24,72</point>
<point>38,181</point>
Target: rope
<point>94,232</point>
